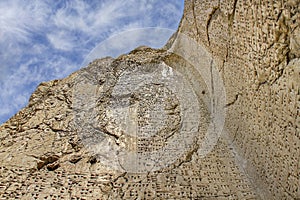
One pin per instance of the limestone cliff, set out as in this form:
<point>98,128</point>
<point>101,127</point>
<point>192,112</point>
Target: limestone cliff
<point>213,115</point>
<point>257,46</point>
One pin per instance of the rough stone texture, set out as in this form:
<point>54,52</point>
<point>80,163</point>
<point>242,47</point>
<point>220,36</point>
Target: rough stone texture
<point>257,47</point>
<point>49,149</point>
<point>45,149</point>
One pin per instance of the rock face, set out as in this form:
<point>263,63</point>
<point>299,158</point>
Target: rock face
<point>213,115</point>
<point>256,44</point>
<point>123,128</point>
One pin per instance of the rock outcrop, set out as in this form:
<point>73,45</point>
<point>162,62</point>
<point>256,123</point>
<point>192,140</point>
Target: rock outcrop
<point>257,46</point>
<point>215,114</point>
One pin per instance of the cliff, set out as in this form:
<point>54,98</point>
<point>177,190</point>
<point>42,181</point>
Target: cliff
<point>212,115</point>
<point>257,47</point>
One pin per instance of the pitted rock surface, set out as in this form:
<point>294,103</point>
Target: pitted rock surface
<point>139,141</point>
<point>256,44</point>
<point>134,127</point>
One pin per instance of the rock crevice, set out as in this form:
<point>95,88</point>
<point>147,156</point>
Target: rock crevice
<point>215,114</point>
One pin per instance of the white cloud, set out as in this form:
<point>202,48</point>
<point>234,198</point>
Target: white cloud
<point>42,40</point>
<point>19,18</point>
<point>128,40</point>
<point>19,85</point>
<point>61,40</point>
<point>111,16</point>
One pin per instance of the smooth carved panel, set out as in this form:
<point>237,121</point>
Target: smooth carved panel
<point>120,129</point>
<point>150,119</point>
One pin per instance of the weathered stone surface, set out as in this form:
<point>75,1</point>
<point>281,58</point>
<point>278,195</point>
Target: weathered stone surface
<point>256,44</point>
<point>141,139</point>
<point>148,125</point>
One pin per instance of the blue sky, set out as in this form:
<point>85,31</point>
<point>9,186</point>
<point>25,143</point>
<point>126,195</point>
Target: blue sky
<point>42,40</point>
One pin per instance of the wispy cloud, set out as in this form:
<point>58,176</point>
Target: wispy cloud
<point>19,19</point>
<point>125,41</point>
<point>43,40</point>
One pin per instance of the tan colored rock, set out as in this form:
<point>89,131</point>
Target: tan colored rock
<point>257,46</point>
<point>148,125</point>
<point>62,153</point>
